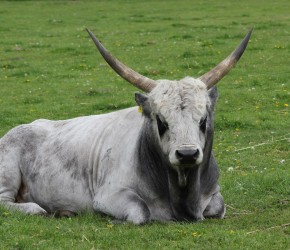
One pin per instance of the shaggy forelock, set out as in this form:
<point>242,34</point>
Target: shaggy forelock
<point>175,96</point>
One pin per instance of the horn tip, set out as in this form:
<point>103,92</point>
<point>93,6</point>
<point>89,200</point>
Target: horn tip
<point>241,48</point>
<point>250,32</point>
<point>95,40</point>
<point>90,33</point>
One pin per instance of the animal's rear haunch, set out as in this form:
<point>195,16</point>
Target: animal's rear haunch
<point>156,164</point>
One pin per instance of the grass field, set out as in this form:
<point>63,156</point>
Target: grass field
<point>49,68</point>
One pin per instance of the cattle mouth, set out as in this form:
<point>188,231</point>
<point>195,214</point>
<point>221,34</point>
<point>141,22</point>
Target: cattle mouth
<point>185,159</point>
<point>183,171</point>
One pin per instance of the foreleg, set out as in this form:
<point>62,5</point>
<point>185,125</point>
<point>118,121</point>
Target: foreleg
<point>125,204</point>
<point>216,207</point>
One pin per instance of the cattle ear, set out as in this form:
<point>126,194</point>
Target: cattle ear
<point>143,102</point>
<point>213,95</point>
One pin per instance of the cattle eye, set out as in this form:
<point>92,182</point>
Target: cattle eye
<point>162,126</point>
<point>202,124</point>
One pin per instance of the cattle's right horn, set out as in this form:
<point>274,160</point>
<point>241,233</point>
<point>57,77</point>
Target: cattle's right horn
<point>213,76</point>
<point>142,82</point>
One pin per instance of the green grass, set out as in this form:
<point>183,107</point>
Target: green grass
<point>49,68</point>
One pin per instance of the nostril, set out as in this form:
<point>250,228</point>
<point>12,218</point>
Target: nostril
<point>196,154</point>
<point>179,154</point>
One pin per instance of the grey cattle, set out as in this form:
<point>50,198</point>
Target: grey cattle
<point>156,164</point>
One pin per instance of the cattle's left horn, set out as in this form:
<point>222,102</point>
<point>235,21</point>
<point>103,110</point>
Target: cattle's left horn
<point>142,82</point>
<point>213,76</point>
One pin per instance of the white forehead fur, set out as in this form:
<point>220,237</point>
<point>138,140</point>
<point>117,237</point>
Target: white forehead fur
<point>183,96</point>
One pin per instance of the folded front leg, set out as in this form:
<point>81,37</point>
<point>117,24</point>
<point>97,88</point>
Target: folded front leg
<point>124,204</point>
<point>216,207</point>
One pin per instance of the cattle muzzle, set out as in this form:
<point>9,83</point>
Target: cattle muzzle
<point>188,155</point>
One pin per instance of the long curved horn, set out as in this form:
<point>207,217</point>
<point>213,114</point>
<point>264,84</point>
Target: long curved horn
<point>142,82</point>
<point>218,72</point>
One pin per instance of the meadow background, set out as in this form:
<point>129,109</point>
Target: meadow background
<point>49,68</point>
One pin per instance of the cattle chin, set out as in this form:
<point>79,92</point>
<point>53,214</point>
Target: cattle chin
<point>182,173</point>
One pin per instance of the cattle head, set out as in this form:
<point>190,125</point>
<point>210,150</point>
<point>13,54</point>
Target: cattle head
<point>178,111</point>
